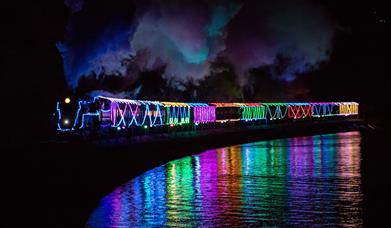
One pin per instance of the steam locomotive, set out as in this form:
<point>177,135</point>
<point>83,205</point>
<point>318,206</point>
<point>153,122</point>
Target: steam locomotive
<point>102,113</point>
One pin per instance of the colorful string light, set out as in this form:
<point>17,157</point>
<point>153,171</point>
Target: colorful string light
<point>177,113</point>
<point>123,113</point>
<point>67,121</point>
<point>321,109</point>
<point>175,104</point>
<point>276,110</point>
<point>299,110</point>
<point>204,114</point>
<point>127,113</point>
<point>219,105</point>
<point>253,112</point>
<point>348,108</point>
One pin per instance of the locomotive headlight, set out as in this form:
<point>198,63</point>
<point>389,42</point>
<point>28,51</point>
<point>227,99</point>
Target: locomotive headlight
<point>67,100</point>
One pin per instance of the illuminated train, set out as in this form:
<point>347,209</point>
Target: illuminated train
<point>109,114</point>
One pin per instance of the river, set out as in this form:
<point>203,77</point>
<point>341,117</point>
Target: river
<point>297,181</point>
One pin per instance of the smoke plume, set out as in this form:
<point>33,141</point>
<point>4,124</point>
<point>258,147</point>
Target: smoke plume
<point>187,36</point>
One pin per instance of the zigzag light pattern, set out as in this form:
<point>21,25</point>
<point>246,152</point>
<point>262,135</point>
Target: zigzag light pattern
<point>299,110</point>
<point>177,113</point>
<point>124,113</point>
<point>276,110</point>
<point>320,109</point>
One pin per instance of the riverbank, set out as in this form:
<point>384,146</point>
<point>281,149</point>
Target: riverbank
<point>59,184</point>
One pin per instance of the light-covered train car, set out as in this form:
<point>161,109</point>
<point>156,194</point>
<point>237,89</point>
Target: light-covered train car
<point>115,113</point>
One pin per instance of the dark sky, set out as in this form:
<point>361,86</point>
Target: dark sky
<point>33,76</point>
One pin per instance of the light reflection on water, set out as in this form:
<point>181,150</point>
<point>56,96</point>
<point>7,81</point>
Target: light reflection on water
<point>285,182</point>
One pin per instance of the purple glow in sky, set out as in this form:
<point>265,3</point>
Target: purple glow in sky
<point>187,36</point>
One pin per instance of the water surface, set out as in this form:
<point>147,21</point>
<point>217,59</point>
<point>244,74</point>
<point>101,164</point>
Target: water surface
<point>287,182</point>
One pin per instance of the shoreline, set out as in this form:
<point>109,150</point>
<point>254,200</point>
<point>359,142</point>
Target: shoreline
<point>68,179</point>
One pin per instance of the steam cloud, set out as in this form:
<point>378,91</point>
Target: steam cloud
<point>186,36</point>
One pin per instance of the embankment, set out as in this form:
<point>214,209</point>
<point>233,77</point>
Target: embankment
<point>58,184</point>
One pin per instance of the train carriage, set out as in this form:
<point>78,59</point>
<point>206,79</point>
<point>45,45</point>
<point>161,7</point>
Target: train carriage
<point>299,110</point>
<point>276,111</point>
<point>202,113</point>
<point>177,113</point>
<point>227,112</point>
<point>252,111</point>
<point>348,108</point>
<point>324,109</point>
<point>124,113</point>
<point>114,113</point>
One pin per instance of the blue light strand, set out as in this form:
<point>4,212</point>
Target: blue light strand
<point>278,114</point>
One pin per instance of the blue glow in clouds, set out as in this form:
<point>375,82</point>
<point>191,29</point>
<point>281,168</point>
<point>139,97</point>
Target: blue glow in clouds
<point>187,36</point>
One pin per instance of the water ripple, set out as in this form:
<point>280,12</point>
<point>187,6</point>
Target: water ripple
<point>303,181</point>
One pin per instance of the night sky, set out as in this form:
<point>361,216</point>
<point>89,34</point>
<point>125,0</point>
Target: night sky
<point>191,51</point>
<point>254,50</point>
